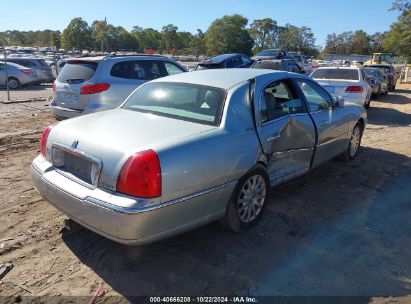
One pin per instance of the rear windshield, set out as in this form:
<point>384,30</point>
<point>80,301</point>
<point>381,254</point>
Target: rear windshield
<point>189,102</point>
<point>268,53</point>
<point>42,62</point>
<point>370,72</point>
<point>344,74</point>
<point>77,71</point>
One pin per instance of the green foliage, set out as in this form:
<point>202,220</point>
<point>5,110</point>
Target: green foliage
<point>77,35</point>
<point>297,39</point>
<point>401,5</point>
<point>228,35</point>
<point>146,38</point>
<point>262,31</point>
<point>398,39</point>
<point>169,38</point>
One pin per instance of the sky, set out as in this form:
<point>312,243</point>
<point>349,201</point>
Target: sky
<point>322,16</point>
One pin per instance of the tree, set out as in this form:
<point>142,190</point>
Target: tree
<point>401,5</point>
<point>198,43</point>
<point>55,39</point>
<point>377,42</point>
<point>146,38</point>
<point>77,35</point>
<point>398,39</point>
<point>169,38</point>
<point>262,32</point>
<point>228,35</point>
<point>359,43</point>
<point>294,38</point>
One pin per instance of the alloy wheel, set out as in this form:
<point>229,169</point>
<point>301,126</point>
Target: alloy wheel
<point>251,198</point>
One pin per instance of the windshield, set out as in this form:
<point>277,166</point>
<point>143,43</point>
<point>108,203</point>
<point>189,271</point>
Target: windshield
<point>340,74</point>
<point>268,53</point>
<point>182,101</point>
<point>370,72</point>
<point>77,71</point>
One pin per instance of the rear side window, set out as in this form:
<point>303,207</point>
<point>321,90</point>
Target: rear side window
<point>25,63</point>
<point>339,74</point>
<point>42,62</point>
<point>142,70</point>
<point>77,71</point>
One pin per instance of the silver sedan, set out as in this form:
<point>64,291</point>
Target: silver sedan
<point>192,148</point>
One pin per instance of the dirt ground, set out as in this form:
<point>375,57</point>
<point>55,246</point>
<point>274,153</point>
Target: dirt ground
<point>343,229</point>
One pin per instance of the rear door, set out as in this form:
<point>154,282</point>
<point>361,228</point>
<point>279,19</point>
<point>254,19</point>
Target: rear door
<point>331,122</point>
<point>126,76</point>
<point>285,129</point>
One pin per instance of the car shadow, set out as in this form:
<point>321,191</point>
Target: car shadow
<point>342,229</point>
<point>388,116</point>
<point>396,97</point>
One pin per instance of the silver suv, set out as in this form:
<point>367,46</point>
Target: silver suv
<point>92,84</point>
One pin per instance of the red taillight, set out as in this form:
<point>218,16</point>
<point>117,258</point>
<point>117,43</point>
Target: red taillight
<point>45,70</point>
<point>27,72</point>
<point>54,86</point>
<point>94,88</point>
<point>141,175</point>
<point>43,140</point>
<point>353,89</point>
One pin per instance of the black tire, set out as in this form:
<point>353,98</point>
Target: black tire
<point>235,219</point>
<point>349,154</point>
<point>13,83</point>
<point>367,103</point>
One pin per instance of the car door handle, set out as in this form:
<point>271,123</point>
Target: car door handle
<point>273,137</point>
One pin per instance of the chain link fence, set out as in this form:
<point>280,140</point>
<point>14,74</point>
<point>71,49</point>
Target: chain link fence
<point>27,76</point>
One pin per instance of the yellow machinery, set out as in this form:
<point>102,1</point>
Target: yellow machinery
<point>380,58</point>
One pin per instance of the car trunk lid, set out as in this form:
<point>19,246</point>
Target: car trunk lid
<point>337,87</point>
<point>113,136</point>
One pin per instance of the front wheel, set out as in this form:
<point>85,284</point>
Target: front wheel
<point>13,83</point>
<point>248,200</point>
<point>354,145</point>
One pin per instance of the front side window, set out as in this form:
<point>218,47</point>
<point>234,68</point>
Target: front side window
<point>317,98</point>
<point>172,68</point>
<point>279,100</point>
<point>189,102</point>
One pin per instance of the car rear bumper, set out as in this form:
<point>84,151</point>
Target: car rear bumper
<point>123,219</point>
<point>60,112</point>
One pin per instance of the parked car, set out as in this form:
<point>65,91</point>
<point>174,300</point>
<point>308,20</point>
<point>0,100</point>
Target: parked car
<point>271,54</point>
<point>38,65</point>
<point>279,65</point>
<point>17,75</point>
<point>91,84</point>
<point>192,148</point>
<point>378,81</point>
<point>225,61</point>
<point>389,71</point>
<point>301,60</point>
<point>348,82</point>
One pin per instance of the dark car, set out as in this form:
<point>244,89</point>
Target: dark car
<point>378,81</point>
<point>389,71</point>
<point>272,54</point>
<point>279,65</point>
<point>225,61</point>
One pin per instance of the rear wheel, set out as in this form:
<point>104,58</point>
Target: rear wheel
<point>355,143</point>
<point>248,200</point>
<point>13,83</point>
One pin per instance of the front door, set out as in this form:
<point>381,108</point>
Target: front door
<point>286,131</point>
<point>330,121</point>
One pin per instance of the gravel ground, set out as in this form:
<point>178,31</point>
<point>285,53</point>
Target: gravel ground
<point>44,91</point>
<point>343,229</point>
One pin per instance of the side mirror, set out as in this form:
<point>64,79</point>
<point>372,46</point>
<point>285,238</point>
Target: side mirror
<point>338,101</point>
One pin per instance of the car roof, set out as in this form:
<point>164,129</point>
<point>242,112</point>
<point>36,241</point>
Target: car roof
<point>339,68</point>
<point>113,57</point>
<point>218,78</point>
<point>220,58</point>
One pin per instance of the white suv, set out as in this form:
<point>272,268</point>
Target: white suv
<point>91,84</point>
